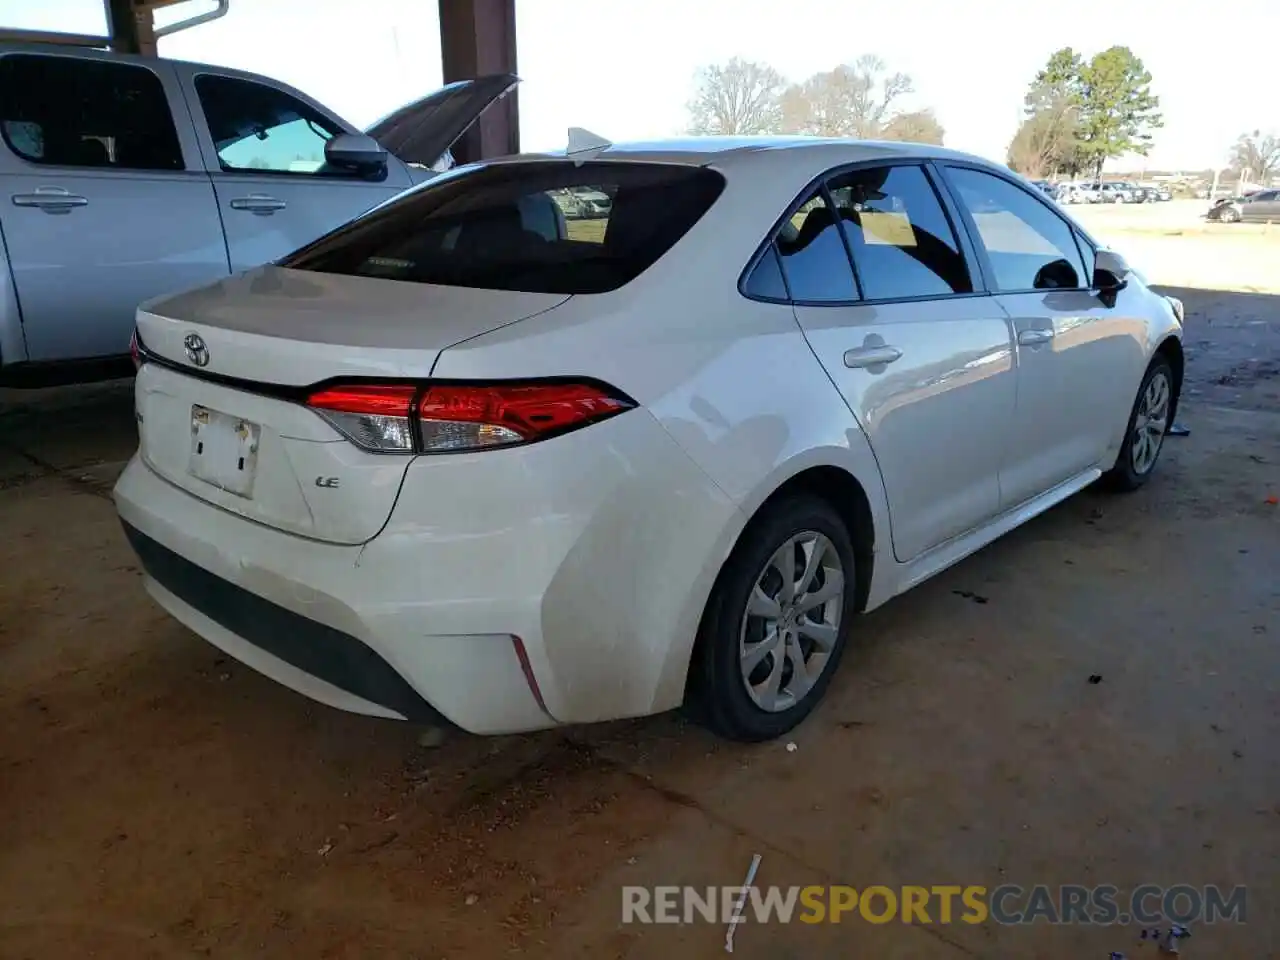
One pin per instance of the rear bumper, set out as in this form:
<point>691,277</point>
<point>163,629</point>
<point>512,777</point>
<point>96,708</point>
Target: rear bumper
<point>334,658</point>
<point>329,621</point>
<point>596,549</point>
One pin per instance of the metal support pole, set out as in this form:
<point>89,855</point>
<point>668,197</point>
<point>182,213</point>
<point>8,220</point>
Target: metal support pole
<point>478,37</point>
<point>130,27</point>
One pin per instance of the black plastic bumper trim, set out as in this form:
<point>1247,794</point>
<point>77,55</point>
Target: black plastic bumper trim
<point>315,648</point>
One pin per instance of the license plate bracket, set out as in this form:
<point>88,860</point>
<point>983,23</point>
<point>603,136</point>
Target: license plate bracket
<point>224,450</point>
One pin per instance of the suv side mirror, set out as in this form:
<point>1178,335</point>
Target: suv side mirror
<point>1110,275</point>
<point>355,151</point>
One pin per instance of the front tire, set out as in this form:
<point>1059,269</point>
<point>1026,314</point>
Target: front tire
<point>1149,421</point>
<point>777,622</point>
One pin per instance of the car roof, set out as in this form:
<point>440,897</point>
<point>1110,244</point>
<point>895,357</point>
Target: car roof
<point>726,152</point>
<point>773,163</point>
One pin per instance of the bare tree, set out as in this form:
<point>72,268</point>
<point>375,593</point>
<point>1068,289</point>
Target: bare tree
<point>738,97</point>
<point>919,126</point>
<point>1047,140</point>
<point>1258,155</point>
<point>853,100</point>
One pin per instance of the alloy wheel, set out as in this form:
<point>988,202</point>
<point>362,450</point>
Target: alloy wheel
<point>1150,423</point>
<point>792,621</point>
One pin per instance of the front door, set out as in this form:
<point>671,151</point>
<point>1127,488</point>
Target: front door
<point>265,152</point>
<point>102,207</point>
<point>1078,360</point>
<point>923,360</point>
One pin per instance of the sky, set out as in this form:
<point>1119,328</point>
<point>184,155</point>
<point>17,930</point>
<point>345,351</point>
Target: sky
<point>625,69</point>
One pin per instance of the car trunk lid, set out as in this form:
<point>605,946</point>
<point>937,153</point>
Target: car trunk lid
<point>227,369</point>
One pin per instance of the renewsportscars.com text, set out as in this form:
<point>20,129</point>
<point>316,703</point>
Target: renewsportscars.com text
<point>1148,904</point>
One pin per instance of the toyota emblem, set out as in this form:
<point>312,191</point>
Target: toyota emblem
<point>197,352</point>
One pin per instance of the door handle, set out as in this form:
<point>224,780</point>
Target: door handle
<point>50,200</point>
<point>1031,338</point>
<point>258,203</point>
<point>875,356</point>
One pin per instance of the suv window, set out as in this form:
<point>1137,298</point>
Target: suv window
<point>1030,247</point>
<point>902,243</point>
<point>488,227</point>
<point>813,255</point>
<point>260,128</point>
<point>69,112</point>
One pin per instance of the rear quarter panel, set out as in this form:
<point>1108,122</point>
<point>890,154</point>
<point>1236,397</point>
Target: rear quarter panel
<point>732,381</point>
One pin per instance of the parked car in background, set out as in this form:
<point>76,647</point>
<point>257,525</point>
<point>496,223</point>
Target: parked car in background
<point>1109,191</point>
<point>1260,206</point>
<point>442,461</point>
<point>594,204</point>
<point>1081,192</point>
<point>129,177</point>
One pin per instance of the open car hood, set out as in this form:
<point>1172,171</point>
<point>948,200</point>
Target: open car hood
<point>420,132</point>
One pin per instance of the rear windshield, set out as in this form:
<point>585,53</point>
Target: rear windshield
<point>538,227</point>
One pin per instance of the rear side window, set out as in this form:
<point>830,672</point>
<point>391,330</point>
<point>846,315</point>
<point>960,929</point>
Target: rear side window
<point>902,243</point>
<point>1030,247</point>
<point>540,227</point>
<point>63,111</point>
<point>813,255</point>
<point>766,280</point>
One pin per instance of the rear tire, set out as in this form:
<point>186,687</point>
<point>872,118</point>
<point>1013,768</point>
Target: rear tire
<point>1149,422</point>
<point>767,652</point>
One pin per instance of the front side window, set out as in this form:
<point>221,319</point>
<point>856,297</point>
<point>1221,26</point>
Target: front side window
<point>813,255</point>
<point>256,128</point>
<point>1028,245</point>
<point>63,111</point>
<point>540,227</point>
<point>902,243</point>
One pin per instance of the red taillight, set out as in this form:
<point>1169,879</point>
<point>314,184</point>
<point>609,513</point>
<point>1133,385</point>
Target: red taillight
<point>135,351</point>
<point>452,417</point>
<point>372,416</point>
<point>474,416</point>
<point>378,400</point>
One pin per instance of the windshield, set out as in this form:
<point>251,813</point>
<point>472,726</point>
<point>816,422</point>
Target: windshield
<point>538,227</point>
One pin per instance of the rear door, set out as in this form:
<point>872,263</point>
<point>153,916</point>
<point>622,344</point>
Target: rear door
<point>263,145</point>
<point>921,355</point>
<point>105,199</point>
<point>1078,359</point>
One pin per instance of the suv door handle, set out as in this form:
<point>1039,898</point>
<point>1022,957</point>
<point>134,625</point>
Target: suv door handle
<point>50,200</point>
<point>1031,338</point>
<point>873,356</point>
<point>258,203</point>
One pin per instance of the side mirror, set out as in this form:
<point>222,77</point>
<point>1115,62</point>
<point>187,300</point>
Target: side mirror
<point>1057,275</point>
<point>1110,274</point>
<point>1110,270</point>
<point>355,151</point>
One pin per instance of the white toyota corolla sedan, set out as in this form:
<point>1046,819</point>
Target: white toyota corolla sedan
<point>467,457</point>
